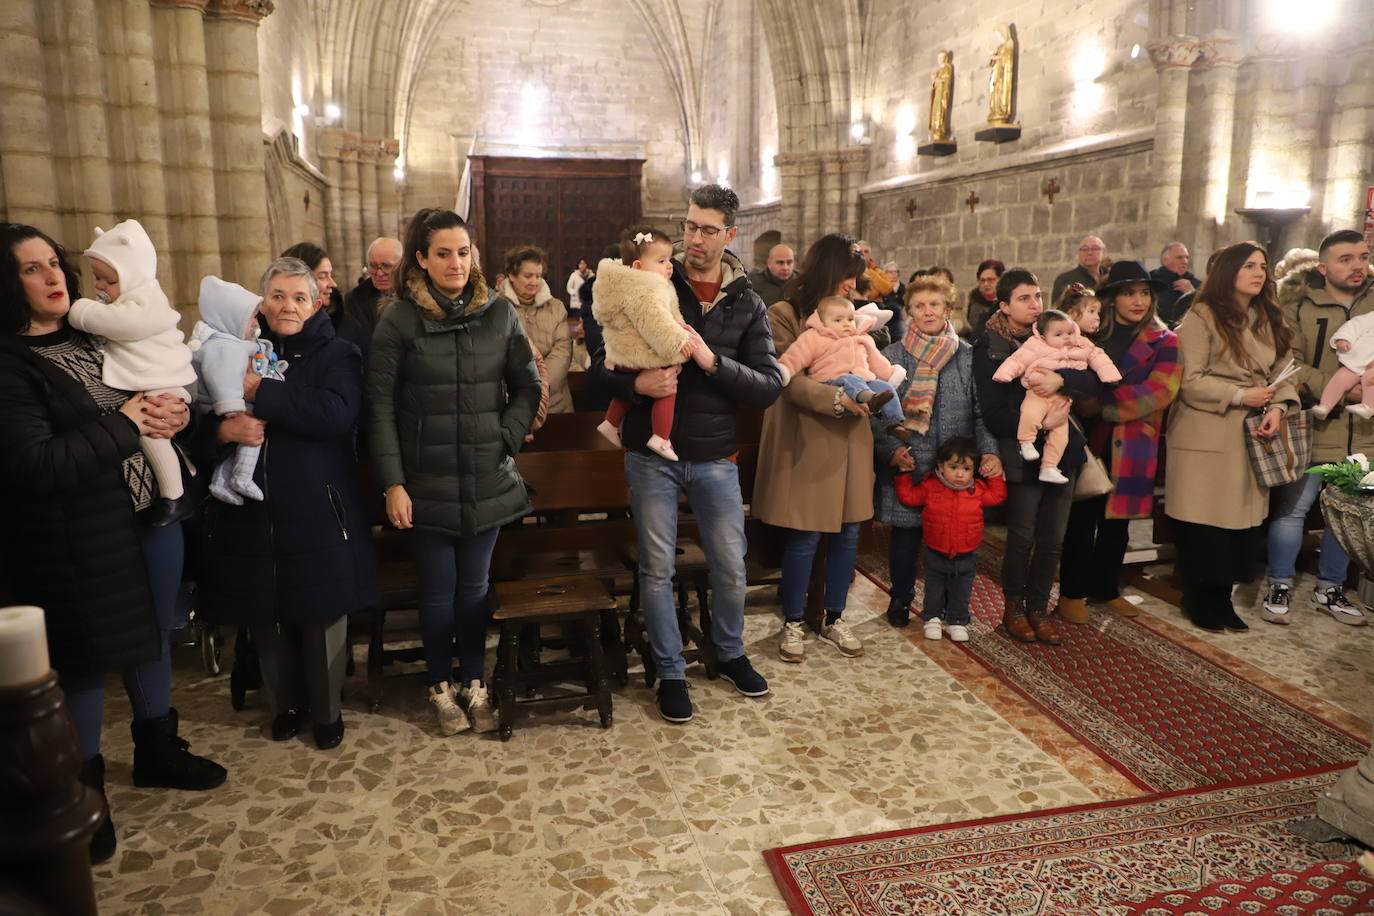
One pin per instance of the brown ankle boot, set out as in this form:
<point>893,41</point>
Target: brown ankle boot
<point>1043,628</point>
<point>1018,626</point>
<point>1122,606</point>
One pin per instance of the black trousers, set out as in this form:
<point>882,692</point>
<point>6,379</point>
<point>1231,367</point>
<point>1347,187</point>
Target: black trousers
<point>1210,561</point>
<point>1094,549</point>
<point>1037,514</point>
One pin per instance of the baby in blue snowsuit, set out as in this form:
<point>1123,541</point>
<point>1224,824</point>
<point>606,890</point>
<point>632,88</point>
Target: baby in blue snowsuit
<point>222,343</point>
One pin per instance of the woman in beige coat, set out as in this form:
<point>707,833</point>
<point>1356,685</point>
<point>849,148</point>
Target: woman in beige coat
<point>1231,343</point>
<point>815,473</point>
<point>543,318</point>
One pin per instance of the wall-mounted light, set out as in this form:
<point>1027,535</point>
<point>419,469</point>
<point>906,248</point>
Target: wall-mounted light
<point>399,172</point>
<point>303,110</point>
<point>860,133</point>
<point>1135,52</point>
<point>696,178</point>
<point>333,112</point>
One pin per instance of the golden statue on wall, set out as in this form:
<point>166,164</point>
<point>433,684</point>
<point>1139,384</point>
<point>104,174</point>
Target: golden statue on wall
<point>941,143</point>
<point>941,96</point>
<point>1002,88</point>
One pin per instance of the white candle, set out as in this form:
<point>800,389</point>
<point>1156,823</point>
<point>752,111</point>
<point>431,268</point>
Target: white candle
<point>23,646</point>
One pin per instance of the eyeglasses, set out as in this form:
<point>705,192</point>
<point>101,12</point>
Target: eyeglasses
<point>384,266</point>
<point>1091,248</point>
<point>690,228</point>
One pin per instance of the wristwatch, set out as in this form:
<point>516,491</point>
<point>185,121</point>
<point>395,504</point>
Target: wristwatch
<point>838,409</point>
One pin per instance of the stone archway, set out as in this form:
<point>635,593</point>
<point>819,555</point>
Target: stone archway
<point>763,243</point>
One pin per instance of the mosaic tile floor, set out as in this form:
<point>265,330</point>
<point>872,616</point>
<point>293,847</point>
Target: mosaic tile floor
<point>645,817</point>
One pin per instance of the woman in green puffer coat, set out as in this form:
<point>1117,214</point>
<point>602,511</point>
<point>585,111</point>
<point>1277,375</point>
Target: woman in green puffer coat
<point>452,389</point>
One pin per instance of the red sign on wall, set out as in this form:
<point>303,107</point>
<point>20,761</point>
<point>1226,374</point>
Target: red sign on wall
<point>1369,216</point>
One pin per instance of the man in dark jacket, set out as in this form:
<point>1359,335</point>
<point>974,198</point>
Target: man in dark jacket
<point>769,280</point>
<point>732,365</point>
<point>365,301</point>
<point>1173,272</point>
<point>1091,251</point>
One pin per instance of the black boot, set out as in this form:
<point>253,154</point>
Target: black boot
<point>161,758</point>
<point>1201,611</point>
<point>164,512</point>
<point>1226,610</point>
<point>103,842</point>
<point>899,612</point>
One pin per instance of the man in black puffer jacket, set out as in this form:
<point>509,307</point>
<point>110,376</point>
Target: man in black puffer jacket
<point>732,365</point>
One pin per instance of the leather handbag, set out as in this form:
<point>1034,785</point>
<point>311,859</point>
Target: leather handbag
<point>1093,479</point>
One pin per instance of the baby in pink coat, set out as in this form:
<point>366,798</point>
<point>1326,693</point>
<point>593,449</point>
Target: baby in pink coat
<point>1056,344</point>
<point>835,349</point>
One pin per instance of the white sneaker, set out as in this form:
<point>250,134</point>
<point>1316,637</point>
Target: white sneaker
<point>934,628</point>
<point>478,705</point>
<point>793,645</point>
<point>1333,601</point>
<point>843,638</point>
<point>611,432</point>
<point>958,633</point>
<point>1029,452</point>
<point>1052,475</point>
<point>444,700</point>
<point>662,446</point>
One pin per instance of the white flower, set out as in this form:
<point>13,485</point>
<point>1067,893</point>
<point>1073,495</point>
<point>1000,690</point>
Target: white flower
<point>1359,459</point>
<point>1367,481</point>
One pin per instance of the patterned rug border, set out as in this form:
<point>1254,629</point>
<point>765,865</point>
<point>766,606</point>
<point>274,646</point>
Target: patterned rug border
<point>1090,741</point>
<point>795,898</point>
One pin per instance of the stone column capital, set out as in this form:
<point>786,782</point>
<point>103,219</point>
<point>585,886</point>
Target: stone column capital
<point>253,11</point>
<point>330,142</point>
<point>1178,53</point>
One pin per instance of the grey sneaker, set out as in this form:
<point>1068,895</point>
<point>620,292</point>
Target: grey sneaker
<point>450,718</point>
<point>843,638</point>
<point>477,703</point>
<point>1333,601</point>
<point>1277,604</point>
<point>793,645</point>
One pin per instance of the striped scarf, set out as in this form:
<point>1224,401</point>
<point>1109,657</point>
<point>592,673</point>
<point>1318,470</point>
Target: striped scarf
<point>931,352</point>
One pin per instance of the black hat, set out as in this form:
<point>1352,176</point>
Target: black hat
<point>1124,272</point>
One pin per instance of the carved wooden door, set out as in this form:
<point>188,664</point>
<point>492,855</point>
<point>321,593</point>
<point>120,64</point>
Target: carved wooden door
<point>572,208</point>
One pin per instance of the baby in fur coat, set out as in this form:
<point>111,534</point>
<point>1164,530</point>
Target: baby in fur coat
<point>636,305</point>
<point>1056,344</point>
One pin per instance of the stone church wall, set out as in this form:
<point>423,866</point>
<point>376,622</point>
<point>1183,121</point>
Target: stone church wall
<point>580,80</point>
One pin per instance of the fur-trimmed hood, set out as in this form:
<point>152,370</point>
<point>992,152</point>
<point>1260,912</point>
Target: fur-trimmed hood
<point>474,298</point>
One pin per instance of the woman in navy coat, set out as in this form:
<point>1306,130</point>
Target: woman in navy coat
<point>293,566</point>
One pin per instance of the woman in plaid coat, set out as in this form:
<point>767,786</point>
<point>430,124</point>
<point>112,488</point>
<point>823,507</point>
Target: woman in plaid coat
<point>1123,427</point>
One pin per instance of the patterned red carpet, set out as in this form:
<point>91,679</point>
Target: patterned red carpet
<point>1235,764</point>
<point>1164,716</point>
<point>1097,860</point>
<point>1325,889</point>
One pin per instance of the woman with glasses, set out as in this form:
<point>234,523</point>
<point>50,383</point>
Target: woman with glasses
<point>982,299</point>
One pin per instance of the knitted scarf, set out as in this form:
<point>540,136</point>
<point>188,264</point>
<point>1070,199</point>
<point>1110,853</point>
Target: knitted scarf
<point>1000,325</point>
<point>931,352</point>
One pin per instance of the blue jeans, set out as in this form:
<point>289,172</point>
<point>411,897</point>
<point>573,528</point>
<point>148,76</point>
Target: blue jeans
<point>1293,502</point>
<point>148,685</point>
<point>855,386</point>
<point>949,583</point>
<point>840,551</point>
<point>454,574</point>
<point>712,489</point>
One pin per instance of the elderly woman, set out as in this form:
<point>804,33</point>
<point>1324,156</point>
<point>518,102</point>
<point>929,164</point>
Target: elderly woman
<point>940,400</point>
<point>294,566</point>
<point>815,470</point>
<point>345,326</point>
<point>74,543</point>
<point>1233,341</point>
<point>452,390</point>
<point>1123,427</point>
<point>543,317</point>
<point>982,299</point>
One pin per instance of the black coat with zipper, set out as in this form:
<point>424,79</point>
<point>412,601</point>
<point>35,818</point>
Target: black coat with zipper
<point>304,554</point>
<point>68,538</point>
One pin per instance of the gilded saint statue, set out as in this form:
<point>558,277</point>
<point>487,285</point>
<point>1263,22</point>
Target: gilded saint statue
<point>1002,81</point>
<point>941,96</point>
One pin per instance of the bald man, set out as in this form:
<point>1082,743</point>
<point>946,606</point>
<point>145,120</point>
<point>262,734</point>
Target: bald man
<point>1091,251</point>
<point>366,301</point>
<point>769,280</point>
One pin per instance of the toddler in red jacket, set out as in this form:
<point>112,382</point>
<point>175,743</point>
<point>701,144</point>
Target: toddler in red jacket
<point>952,528</point>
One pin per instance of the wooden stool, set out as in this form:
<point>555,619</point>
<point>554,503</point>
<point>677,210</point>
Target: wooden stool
<point>578,602</point>
<point>691,570</point>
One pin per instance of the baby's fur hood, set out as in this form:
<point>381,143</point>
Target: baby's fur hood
<point>639,316</point>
